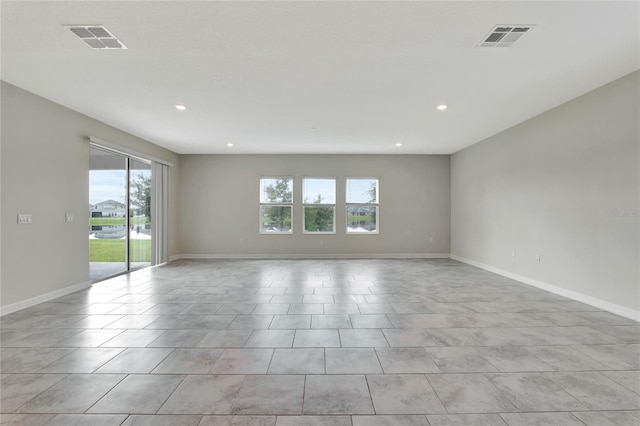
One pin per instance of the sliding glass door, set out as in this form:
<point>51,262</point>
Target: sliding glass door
<point>139,214</point>
<point>120,214</point>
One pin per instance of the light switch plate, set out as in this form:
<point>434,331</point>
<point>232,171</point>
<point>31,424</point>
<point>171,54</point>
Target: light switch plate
<point>68,217</point>
<point>24,218</point>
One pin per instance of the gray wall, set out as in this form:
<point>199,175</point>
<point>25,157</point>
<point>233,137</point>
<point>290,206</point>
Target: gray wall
<point>565,185</point>
<point>219,204</point>
<point>45,172</point>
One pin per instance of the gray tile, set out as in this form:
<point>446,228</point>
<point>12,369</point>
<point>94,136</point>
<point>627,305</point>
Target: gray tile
<point>586,335</point>
<point>628,379</point>
<point>609,418</point>
<point>243,361</point>
<point>514,358</point>
<point>466,420</point>
<point>330,321</point>
<point>410,337</point>
<point>403,394</point>
<point>17,389</point>
<point>306,309</point>
<point>138,394</point>
<point>271,339</point>
<point>238,421</point>
<point>297,361</point>
<point>179,339</point>
<point>534,392</point>
<point>271,308</point>
<point>133,338</point>
<point>352,361</point>
<point>25,419</point>
<point>406,360</point>
<point>29,360</point>
<point>225,339</point>
<point>273,394</point>
<point>390,420</point>
<point>340,308</point>
<point>135,360</point>
<point>189,361</point>
<point>376,308</point>
<point>87,419</point>
<point>162,420</point>
<point>566,358</point>
<point>212,322</point>
<point>314,421</point>
<point>370,321</point>
<point>459,360</point>
<point>73,394</point>
<point>541,419</point>
<point>83,360</point>
<point>337,395</point>
<point>596,391</point>
<point>251,322</point>
<point>469,393</point>
<point>236,308</point>
<point>290,322</point>
<point>210,394</point>
<point>362,338</point>
<point>316,339</point>
<point>617,357</point>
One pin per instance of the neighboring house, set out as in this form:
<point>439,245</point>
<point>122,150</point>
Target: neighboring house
<point>108,208</point>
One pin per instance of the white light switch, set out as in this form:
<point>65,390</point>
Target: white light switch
<point>68,217</point>
<point>24,218</point>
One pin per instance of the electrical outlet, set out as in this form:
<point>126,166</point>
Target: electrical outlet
<point>24,219</point>
<point>538,258</point>
<point>513,253</point>
<point>430,239</point>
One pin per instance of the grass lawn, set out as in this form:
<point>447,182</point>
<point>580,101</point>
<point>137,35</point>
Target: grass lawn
<point>113,250</point>
<point>97,221</point>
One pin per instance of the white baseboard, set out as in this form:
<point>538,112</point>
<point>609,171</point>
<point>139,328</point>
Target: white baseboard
<point>14,307</point>
<point>315,256</point>
<point>574,295</point>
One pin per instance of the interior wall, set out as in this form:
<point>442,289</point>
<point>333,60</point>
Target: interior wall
<point>219,204</point>
<point>564,185</point>
<point>45,172</point>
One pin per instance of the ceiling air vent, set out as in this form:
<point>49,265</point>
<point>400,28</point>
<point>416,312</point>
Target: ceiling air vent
<point>504,35</point>
<point>96,37</point>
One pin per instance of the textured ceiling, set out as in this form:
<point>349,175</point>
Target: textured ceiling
<point>316,77</point>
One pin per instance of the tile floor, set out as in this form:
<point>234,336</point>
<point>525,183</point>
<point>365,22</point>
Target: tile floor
<point>318,342</point>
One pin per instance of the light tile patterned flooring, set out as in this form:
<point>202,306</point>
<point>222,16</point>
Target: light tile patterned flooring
<point>318,342</point>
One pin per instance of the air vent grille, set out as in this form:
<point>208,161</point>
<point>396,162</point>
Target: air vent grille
<point>504,35</point>
<point>97,37</point>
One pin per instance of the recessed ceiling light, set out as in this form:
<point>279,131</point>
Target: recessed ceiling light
<point>180,107</point>
<point>398,143</point>
<point>230,144</point>
<point>441,107</point>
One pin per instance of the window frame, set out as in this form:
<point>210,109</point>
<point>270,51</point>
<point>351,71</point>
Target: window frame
<point>262,204</point>
<point>375,205</point>
<point>326,205</point>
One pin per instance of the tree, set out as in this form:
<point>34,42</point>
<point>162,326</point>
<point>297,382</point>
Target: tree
<point>279,216</point>
<point>141,194</point>
<point>318,219</point>
<point>279,192</point>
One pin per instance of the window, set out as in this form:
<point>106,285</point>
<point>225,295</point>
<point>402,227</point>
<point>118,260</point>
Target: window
<point>276,205</point>
<point>362,206</point>
<point>319,205</point>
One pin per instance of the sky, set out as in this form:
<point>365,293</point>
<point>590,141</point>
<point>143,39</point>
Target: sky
<point>106,185</point>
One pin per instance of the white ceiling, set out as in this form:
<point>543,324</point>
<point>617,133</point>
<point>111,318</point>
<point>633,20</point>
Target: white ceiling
<point>317,77</point>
